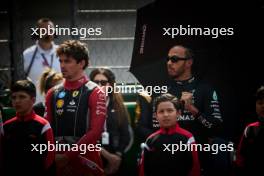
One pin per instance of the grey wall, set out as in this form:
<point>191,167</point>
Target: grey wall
<point>5,72</point>
<point>113,48</point>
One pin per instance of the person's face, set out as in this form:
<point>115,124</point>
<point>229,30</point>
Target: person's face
<point>101,80</point>
<point>166,114</point>
<point>22,102</point>
<point>70,69</point>
<point>177,69</point>
<point>260,108</point>
<point>47,38</point>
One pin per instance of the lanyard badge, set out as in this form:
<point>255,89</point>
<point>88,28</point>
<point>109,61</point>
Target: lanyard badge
<point>105,138</point>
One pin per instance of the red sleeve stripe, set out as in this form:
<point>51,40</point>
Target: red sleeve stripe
<point>41,120</point>
<point>184,132</point>
<point>10,120</point>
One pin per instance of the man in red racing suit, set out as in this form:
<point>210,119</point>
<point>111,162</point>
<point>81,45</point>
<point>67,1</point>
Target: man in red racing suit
<point>76,110</point>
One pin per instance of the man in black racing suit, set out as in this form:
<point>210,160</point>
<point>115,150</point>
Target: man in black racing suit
<point>202,115</point>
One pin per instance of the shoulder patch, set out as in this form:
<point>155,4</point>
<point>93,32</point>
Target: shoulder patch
<point>91,85</point>
<point>45,128</point>
<point>191,140</point>
<point>144,146</point>
<point>58,86</point>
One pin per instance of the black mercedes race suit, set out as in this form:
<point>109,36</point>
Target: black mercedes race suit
<point>205,99</point>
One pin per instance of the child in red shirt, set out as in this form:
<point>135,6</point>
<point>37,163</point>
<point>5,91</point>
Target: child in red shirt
<point>158,157</point>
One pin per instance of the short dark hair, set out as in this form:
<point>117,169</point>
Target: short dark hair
<point>76,49</point>
<point>260,93</point>
<point>43,20</point>
<point>40,21</point>
<point>24,85</point>
<point>188,51</point>
<point>179,105</point>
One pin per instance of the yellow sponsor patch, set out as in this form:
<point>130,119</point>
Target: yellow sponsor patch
<point>75,93</point>
<point>59,103</point>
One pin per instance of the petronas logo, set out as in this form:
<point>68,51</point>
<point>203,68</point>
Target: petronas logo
<point>215,96</point>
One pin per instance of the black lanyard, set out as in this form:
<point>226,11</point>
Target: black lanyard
<point>31,61</point>
<point>33,58</point>
<point>46,63</point>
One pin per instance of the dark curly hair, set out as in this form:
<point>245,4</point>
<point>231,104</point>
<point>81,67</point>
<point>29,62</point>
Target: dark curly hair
<point>76,49</point>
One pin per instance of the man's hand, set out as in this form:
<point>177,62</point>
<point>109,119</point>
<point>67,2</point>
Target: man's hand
<point>187,97</point>
<point>113,161</point>
<point>61,160</point>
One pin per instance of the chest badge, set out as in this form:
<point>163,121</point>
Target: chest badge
<point>215,96</point>
<point>59,111</point>
<point>75,93</point>
<point>59,103</point>
<point>62,94</point>
<point>72,102</point>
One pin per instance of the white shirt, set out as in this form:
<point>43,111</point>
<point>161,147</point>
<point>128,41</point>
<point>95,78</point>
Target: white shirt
<point>43,59</point>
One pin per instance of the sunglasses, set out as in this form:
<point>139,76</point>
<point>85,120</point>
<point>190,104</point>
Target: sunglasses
<point>175,59</point>
<point>101,82</point>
